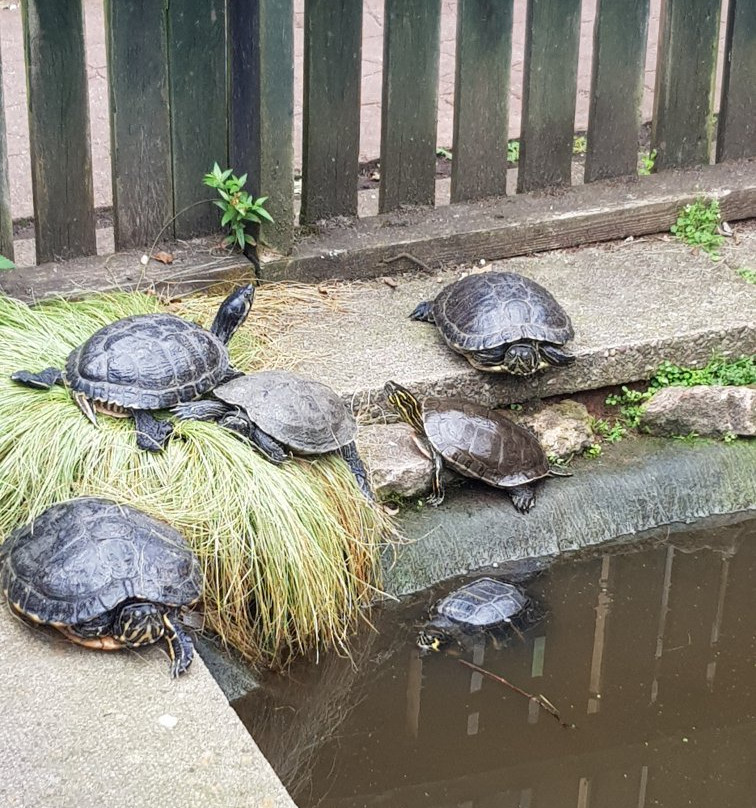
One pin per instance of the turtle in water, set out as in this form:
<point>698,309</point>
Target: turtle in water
<point>148,362</point>
<point>483,605</point>
<point>474,441</point>
<point>501,322</point>
<point>106,575</point>
<point>283,413</point>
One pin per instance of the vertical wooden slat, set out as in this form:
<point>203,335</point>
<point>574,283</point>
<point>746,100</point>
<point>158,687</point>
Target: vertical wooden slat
<point>198,102</point>
<point>331,125</point>
<point>549,93</point>
<point>261,114</point>
<point>140,125</point>
<point>619,52</point>
<point>683,123</point>
<point>481,105</point>
<point>6,218</point>
<point>61,160</point>
<point>411,47</point>
<point>737,115</point>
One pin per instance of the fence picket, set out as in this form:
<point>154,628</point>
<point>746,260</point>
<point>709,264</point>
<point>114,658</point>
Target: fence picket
<point>737,116</point>
<point>61,161</point>
<point>411,50</point>
<point>682,129</point>
<point>197,70</point>
<point>549,93</point>
<point>140,125</point>
<point>619,52</point>
<point>261,109</point>
<point>331,115</point>
<point>6,217</point>
<point>481,99</point>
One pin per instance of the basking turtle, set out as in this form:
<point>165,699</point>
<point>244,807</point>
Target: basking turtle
<point>484,604</point>
<point>474,441</point>
<point>501,322</point>
<point>283,413</point>
<point>106,575</point>
<point>147,362</point>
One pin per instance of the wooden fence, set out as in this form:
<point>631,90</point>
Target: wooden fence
<point>197,81</point>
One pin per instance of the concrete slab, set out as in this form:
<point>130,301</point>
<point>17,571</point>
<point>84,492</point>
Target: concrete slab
<point>85,729</point>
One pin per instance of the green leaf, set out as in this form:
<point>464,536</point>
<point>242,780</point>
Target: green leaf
<point>249,239</point>
<point>241,180</point>
<point>227,216</point>
<point>220,204</point>
<point>264,214</point>
<point>6,263</point>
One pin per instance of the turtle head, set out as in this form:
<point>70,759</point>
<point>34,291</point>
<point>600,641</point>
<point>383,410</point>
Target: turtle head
<point>521,359</point>
<point>233,312</point>
<point>435,635</point>
<point>405,404</point>
<point>138,624</point>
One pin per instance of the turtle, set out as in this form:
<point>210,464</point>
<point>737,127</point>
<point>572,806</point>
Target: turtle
<point>147,362</point>
<point>106,575</point>
<point>482,605</point>
<point>475,441</point>
<point>501,322</point>
<point>283,413</point>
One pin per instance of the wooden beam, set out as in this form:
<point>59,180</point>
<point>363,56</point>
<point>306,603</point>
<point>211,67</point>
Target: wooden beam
<point>6,217</point>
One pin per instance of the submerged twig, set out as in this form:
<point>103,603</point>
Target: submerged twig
<point>408,257</point>
<point>540,700</point>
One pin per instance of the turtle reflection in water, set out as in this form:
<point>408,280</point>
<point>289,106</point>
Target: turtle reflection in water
<point>147,362</point>
<point>474,441</point>
<point>501,322</point>
<point>483,605</point>
<point>106,575</point>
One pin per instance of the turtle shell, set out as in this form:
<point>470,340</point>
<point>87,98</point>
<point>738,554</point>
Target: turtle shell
<point>147,362</point>
<point>482,443</point>
<point>80,559</point>
<point>307,416</point>
<point>483,603</point>
<point>484,311</point>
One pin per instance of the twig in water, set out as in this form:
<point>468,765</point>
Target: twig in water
<point>540,700</point>
<point>408,257</point>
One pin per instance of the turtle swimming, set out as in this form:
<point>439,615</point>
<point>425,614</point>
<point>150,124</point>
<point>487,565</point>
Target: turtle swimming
<point>501,322</point>
<point>482,605</point>
<point>106,575</point>
<point>283,413</point>
<point>148,362</point>
<point>476,442</point>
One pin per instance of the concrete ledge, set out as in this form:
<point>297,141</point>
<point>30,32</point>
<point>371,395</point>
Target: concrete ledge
<point>635,486</point>
<point>85,729</point>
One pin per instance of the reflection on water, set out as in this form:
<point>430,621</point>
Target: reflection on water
<point>649,652</point>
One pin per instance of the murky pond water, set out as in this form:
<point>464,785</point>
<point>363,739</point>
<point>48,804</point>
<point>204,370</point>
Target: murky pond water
<point>650,653</point>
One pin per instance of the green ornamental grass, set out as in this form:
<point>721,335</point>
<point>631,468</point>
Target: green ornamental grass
<point>291,553</point>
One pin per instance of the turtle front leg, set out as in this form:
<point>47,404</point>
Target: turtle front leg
<point>206,410</point>
<point>151,433</point>
<point>43,380</point>
<point>269,447</point>
<point>438,493</point>
<point>523,497</point>
<point>354,461</point>
<point>556,356</point>
<point>180,645</point>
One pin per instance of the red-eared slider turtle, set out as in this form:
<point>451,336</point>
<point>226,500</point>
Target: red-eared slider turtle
<point>282,413</point>
<point>501,322</point>
<point>474,441</point>
<point>482,605</point>
<point>147,362</point>
<point>107,576</point>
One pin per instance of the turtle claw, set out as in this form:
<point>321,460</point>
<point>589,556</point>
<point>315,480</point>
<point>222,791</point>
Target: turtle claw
<point>85,405</point>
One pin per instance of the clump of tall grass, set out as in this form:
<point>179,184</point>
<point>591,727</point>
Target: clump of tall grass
<point>290,553</point>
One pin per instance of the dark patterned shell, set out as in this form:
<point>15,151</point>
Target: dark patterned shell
<point>81,558</point>
<point>494,308</point>
<point>147,362</point>
<point>483,603</point>
<point>305,415</point>
<point>482,443</point>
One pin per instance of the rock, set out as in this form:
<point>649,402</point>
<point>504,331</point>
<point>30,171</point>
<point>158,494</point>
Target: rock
<point>397,466</point>
<point>564,429</point>
<point>705,410</point>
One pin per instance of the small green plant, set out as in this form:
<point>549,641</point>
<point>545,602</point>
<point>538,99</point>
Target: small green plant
<point>513,151</point>
<point>698,225</point>
<point>611,433</point>
<point>240,210</point>
<point>594,450</point>
<point>579,144</point>
<point>646,161</point>
<point>6,263</point>
<point>442,152</point>
<point>747,274</point>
